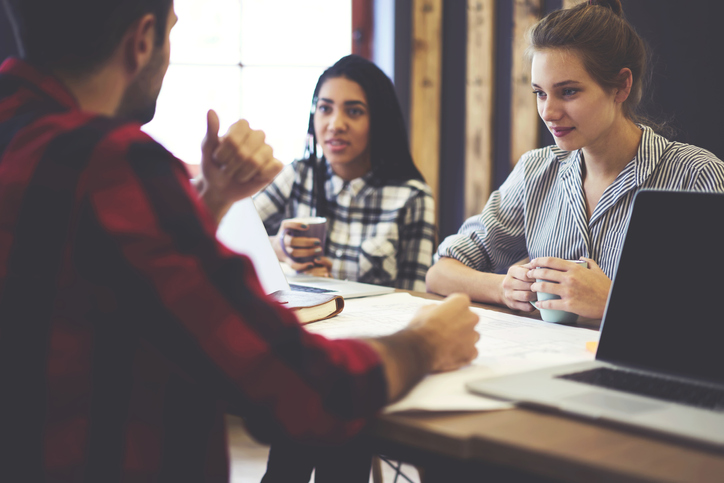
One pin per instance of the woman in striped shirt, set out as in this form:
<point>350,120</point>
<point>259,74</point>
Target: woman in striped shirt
<point>380,213</point>
<point>572,200</point>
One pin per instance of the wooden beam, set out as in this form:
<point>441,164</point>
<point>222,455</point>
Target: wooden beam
<point>362,27</point>
<point>479,105</point>
<point>425,85</point>
<point>524,114</point>
<point>571,3</point>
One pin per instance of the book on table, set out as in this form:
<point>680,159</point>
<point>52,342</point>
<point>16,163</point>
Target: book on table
<point>243,231</point>
<point>310,307</point>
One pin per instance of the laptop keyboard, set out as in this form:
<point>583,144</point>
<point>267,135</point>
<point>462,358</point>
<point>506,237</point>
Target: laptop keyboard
<point>652,386</point>
<point>305,288</point>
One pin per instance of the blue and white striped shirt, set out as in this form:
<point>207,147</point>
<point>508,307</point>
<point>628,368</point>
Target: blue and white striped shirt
<point>540,210</point>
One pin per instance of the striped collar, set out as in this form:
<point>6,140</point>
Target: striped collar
<point>567,159</point>
<point>337,184</point>
<point>650,152</point>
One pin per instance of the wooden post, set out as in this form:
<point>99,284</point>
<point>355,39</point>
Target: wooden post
<point>362,27</point>
<point>479,106</point>
<point>524,114</point>
<point>425,85</point>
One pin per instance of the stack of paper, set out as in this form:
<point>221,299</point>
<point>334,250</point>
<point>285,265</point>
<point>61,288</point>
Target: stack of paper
<point>508,343</point>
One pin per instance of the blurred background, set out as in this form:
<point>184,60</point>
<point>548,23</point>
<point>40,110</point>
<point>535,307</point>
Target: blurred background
<point>457,65</point>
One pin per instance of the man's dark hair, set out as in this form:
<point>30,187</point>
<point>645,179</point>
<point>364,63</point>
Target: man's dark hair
<point>79,35</point>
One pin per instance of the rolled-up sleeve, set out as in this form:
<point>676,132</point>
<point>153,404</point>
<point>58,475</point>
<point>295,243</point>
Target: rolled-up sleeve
<point>494,239</point>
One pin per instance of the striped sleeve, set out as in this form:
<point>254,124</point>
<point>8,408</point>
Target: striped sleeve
<point>671,165</point>
<point>494,239</point>
<point>710,176</point>
<point>204,307</point>
<point>417,240</point>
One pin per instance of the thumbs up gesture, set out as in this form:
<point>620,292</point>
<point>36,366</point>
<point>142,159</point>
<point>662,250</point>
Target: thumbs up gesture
<point>235,165</point>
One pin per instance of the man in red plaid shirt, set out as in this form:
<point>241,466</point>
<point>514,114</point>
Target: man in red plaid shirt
<point>126,329</point>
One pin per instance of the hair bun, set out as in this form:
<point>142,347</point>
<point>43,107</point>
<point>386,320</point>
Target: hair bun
<point>613,5</point>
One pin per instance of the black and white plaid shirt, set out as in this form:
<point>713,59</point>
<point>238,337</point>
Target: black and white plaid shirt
<point>540,210</point>
<point>382,235</point>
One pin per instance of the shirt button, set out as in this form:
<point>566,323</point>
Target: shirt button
<point>339,253</point>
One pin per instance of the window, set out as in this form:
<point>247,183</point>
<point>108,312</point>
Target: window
<point>252,59</point>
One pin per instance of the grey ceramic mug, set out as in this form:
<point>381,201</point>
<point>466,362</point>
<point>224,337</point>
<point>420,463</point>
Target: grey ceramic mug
<point>317,229</point>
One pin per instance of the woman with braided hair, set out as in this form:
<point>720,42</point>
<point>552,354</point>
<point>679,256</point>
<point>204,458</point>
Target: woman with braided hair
<point>380,221</point>
<point>380,213</point>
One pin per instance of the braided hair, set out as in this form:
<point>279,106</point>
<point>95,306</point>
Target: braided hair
<point>389,147</point>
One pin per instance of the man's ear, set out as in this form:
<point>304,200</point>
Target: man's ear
<point>625,78</point>
<point>138,43</point>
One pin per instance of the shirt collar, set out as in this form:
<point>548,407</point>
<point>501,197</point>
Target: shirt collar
<point>41,81</point>
<point>355,186</point>
<point>567,159</point>
<point>649,154</point>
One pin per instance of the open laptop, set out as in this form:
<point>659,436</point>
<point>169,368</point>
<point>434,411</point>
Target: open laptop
<point>242,230</point>
<point>660,360</point>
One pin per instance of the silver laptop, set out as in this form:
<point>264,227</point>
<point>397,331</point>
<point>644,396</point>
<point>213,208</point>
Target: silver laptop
<point>660,360</point>
<point>242,230</point>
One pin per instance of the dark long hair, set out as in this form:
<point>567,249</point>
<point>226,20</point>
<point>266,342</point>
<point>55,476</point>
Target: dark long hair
<point>389,147</point>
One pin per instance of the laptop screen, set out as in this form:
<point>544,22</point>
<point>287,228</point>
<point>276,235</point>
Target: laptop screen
<point>666,308</point>
<point>242,231</point>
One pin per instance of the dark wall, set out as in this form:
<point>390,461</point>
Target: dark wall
<point>452,113</point>
<point>688,66</point>
<point>403,49</point>
<point>7,41</point>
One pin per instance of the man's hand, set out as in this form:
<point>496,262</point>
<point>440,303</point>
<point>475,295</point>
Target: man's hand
<point>448,331</point>
<point>515,289</point>
<point>439,338</point>
<point>234,166</point>
<point>583,291</point>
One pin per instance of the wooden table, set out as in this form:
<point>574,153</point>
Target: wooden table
<point>526,445</point>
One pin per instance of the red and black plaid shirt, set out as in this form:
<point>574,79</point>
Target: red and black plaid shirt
<point>126,329</point>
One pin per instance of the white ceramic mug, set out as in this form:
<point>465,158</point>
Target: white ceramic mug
<point>556,316</point>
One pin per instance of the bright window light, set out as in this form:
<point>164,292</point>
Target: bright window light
<point>252,59</point>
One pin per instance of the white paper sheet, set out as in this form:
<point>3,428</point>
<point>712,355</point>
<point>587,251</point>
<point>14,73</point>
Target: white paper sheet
<point>508,343</point>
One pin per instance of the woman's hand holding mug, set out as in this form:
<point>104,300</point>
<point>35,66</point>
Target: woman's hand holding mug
<point>300,243</point>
